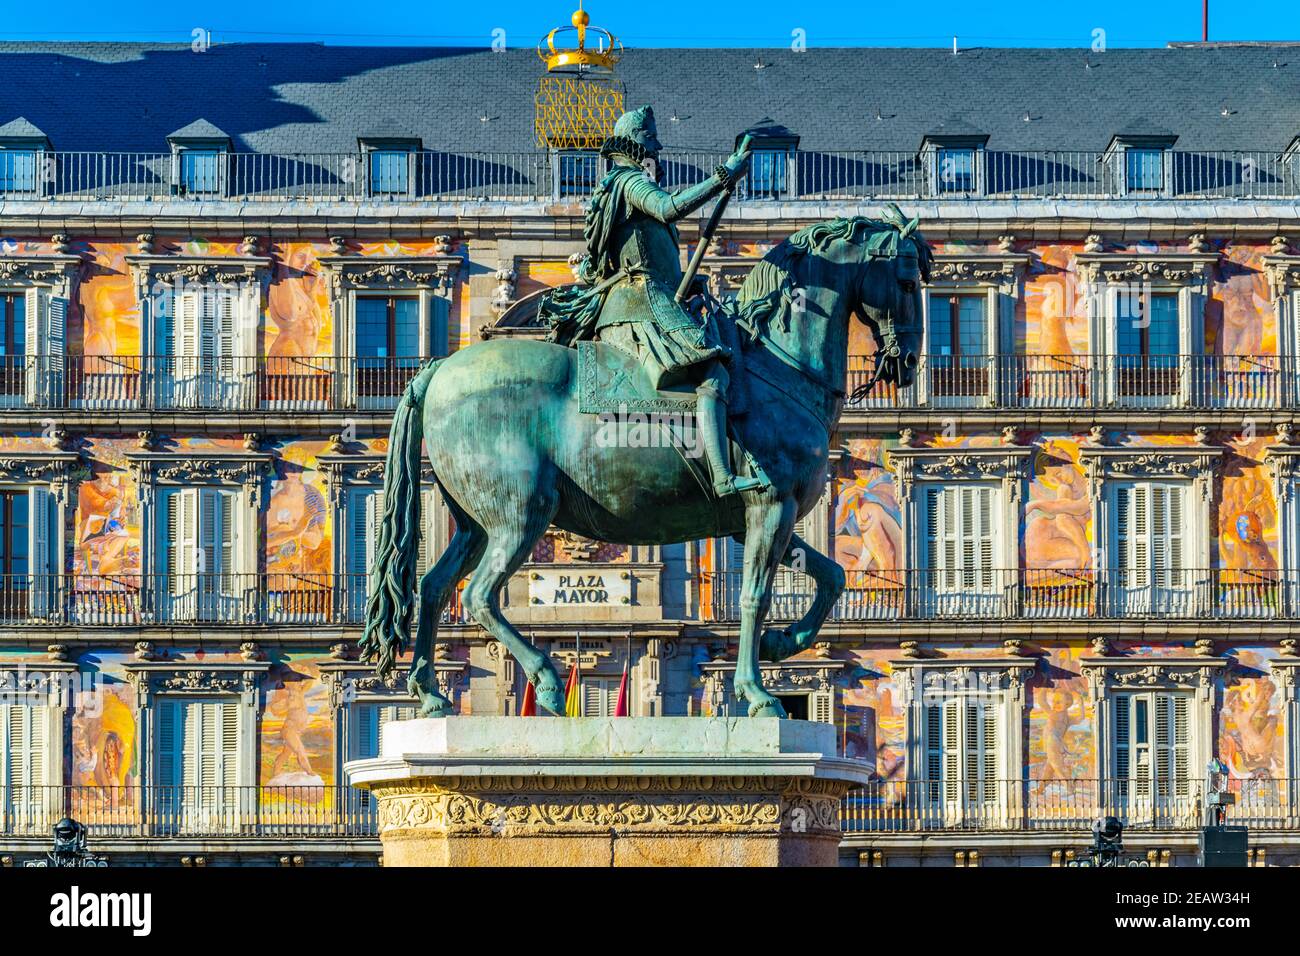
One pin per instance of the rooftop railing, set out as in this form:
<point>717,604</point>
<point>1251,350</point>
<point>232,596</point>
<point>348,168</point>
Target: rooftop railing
<point>534,175</point>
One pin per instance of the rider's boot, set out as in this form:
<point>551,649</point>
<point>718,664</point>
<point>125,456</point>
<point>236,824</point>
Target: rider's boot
<point>711,419</point>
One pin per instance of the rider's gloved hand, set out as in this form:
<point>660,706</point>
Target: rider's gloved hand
<point>737,162</point>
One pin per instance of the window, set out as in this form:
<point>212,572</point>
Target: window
<point>579,173</point>
<point>202,353</point>
<point>1144,169</point>
<point>198,548</point>
<point>767,174</point>
<point>963,757</point>
<point>198,755</point>
<point>600,695</point>
<point>25,767</point>
<point>18,170</point>
<point>13,343</point>
<point>1150,548</point>
<point>368,721</point>
<point>1147,345</point>
<point>959,358</point>
<point>1152,755</point>
<point>960,544</point>
<point>200,172</point>
<point>956,170</point>
<point>365,513</point>
<point>388,344</point>
<point>27,553</point>
<point>390,172</point>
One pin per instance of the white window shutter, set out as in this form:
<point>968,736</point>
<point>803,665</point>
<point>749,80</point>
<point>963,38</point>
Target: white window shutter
<point>1123,753</point>
<point>374,520</point>
<point>951,747</point>
<point>170,743</point>
<point>229,730</point>
<point>430,544</point>
<point>822,711</point>
<point>933,743</point>
<point>36,345</point>
<point>42,547</point>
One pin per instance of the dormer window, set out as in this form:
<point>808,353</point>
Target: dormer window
<point>390,164</point>
<point>1139,159</point>
<point>952,156</point>
<point>579,171</point>
<point>22,153</point>
<point>1291,164</point>
<point>770,170</point>
<point>199,154</point>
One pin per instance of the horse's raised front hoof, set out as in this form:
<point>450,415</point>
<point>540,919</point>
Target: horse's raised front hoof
<point>550,691</point>
<point>777,645</point>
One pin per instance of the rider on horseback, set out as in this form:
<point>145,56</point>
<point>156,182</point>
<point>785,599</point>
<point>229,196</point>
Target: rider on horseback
<point>630,277</point>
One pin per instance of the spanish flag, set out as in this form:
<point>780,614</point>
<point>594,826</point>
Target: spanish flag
<point>529,707</point>
<point>573,693</point>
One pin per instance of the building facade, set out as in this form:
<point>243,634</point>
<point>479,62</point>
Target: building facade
<point>1072,548</point>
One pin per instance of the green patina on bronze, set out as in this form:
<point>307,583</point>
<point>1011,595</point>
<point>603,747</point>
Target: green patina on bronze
<point>513,453</point>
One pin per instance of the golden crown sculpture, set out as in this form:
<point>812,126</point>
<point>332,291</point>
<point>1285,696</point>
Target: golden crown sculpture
<point>607,52</point>
<point>578,98</point>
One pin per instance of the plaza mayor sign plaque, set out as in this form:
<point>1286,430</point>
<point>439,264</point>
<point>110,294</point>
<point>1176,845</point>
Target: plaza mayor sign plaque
<point>567,587</point>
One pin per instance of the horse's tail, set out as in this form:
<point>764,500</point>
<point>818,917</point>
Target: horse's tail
<point>391,600</point>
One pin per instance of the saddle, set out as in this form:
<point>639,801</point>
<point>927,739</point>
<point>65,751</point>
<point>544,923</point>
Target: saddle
<point>611,380</point>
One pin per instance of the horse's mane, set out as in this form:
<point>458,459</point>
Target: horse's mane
<point>766,292</point>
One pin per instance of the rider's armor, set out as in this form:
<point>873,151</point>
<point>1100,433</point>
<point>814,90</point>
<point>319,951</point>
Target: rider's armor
<point>634,263</point>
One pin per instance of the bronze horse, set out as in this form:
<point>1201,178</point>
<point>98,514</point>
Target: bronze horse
<point>513,455</point>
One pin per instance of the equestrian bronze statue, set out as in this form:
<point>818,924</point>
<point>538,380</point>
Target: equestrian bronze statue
<point>519,431</point>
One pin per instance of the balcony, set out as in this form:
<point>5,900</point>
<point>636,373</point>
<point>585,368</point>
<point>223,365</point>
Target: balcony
<point>918,806</point>
<point>1024,594</point>
<point>333,812</point>
<point>135,600</point>
<point>533,175</point>
<point>1088,381</point>
<point>179,383</point>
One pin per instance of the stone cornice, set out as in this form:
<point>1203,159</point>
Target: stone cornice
<point>1151,673</point>
<point>343,471</point>
<point>1000,269</point>
<point>356,681</point>
<point>1158,461</point>
<point>148,269</point>
<point>56,271</point>
<point>59,469</point>
<point>150,678</point>
<point>1177,268</point>
<point>1283,272</point>
<point>435,273</point>
<point>1005,463</point>
<point>249,469</point>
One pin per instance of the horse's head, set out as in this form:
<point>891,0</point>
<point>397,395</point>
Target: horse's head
<point>890,298</point>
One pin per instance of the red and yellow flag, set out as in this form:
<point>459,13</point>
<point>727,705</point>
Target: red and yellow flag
<point>620,709</point>
<point>529,707</point>
<point>573,693</point>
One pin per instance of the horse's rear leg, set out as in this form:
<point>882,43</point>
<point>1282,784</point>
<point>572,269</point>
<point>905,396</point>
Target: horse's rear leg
<point>436,588</point>
<point>508,547</point>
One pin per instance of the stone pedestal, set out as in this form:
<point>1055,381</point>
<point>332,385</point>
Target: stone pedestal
<point>608,791</point>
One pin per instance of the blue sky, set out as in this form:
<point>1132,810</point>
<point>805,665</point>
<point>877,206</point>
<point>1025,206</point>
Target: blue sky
<point>1126,23</point>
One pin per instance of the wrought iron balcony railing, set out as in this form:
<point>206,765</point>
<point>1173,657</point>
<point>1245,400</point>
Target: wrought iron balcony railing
<point>534,175</point>
<point>133,600</point>
<point>210,382</point>
<point>321,812</point>
<point>1088,381</point>
<point>910,806</point>
<point>1033,593</point>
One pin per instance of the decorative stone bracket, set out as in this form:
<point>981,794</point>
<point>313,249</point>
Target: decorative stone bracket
<point>150,271</point>
<point>919,677</point>
<point>348,471</point>
<point>369,273</point>
<point>242,679</point>
<point>60,470</point>
<point>1005,463</point>
<point>1151,673</point>
<point>815,678</point>
<point>1172,268</point>
<point>1196,463</point>
<point>1283,272</point>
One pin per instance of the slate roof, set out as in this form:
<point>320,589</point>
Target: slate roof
<point>316,98</point>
